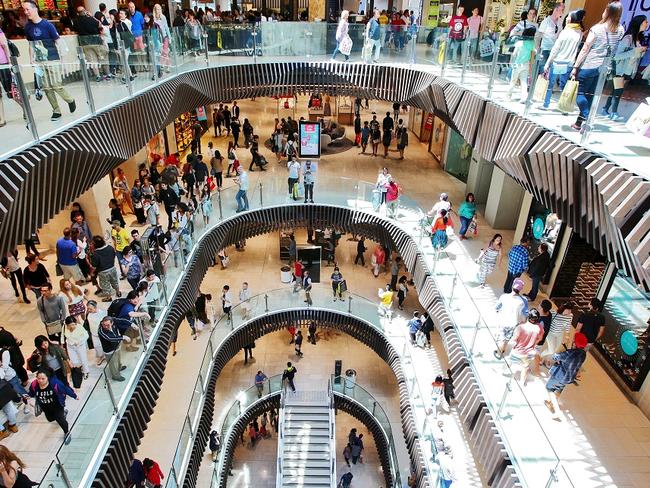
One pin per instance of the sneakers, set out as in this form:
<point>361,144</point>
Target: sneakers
<point>604,112</point>
<point>67,439</point>
<point>55,116</point>
<point>118,378</point>
<point>72,106</point>
<point>614,117</point>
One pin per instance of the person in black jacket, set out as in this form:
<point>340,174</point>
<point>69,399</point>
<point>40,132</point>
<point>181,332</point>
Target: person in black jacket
<point>103,260</point>
<point>537,269</point>
<point>170,200</point>
<point>235,127</point>
<point>361,248</point>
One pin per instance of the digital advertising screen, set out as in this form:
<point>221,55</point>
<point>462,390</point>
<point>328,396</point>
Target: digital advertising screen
<point>309,139</point>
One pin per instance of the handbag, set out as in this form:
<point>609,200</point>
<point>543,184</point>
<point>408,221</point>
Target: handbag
<point>618,82</point>
<point>58,269</point>
<point>540,89</point>
<point>7,393</point>
<point>568,97</point>
<point>37,409</point>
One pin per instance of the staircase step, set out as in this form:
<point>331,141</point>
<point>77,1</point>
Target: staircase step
<point>304,455</point>
<point>289,463</point>
<point>306,481</point>
<point>306,471</point>
<point>306,448</point>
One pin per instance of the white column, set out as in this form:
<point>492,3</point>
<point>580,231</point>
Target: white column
<point>504,201</point>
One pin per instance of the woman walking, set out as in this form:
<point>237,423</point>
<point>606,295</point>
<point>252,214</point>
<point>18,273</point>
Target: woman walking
<point>489,258</point>
<point>402,140</point>
<point>233,162</point>
<point>343,40</point>
<point>50,356</point>
<point>375,134</point>
<point>50,394</point>
<point>74,298</point>
<point>560,326</point>
<point>402,291</point>
<point>626,63</point>
<point>466,213</point>
<point>602,42</point>
<point>439,231</point>
<point>206,205</point>
<point>76,341</point>
<point>385,139</point>
<point>216,164</point>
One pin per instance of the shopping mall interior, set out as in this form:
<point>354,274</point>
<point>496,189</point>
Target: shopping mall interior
<point>339,300</point>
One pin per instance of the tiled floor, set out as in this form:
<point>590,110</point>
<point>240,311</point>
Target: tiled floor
<point>603,438</point>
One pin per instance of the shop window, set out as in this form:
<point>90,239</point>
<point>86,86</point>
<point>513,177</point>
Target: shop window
<point>459,155</point>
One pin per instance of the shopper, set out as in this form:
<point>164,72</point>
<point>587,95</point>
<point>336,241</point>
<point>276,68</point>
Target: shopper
<point>402,139</point>
<point>628,55</point>
<point>35,274</point>
<point>289,375</point>
<point>244,300</point>
<point>103,260</point>
<point>10,269</point>
<point>439,237</point>
<point>517,263</point>
<point>392,199</point>
<point>375,137</point>
<point>153,473</point>
<point>601,44</point>
<point>537,269</point>
<point>466,213</point>
<point>307,285</point>
<point>458,27</point>
<point>560,326</point>
<point>52,309</point>
<point>395,266</point>
<point>357,449</point>
<point>50,393</point>
<point>521,58</point>
<point>386,301</point>
<point>298,344</point>
<point>378,259</point>
<point>373,38</point>
<point>592,323</point>
<point>337,283</point>
<point>346,479</point>
<point>365,136</point>
<point>402,291</point>
<point>549,31</point>
<point>66,254</point>
<point>93,317</point>
<point>49,77</point>
<point>524,340</point>
<point>565,371</point>
<point>347,454</point>
<point>243,183</point>
<point>343,40</point>
<point>111,338</point>
<point>361,248</point>
<point>309,179</point>
<point>76,343</point>
<point>559,62</point>
<point>226,300</point>
<point>312,332</point>
<point>512,309</point>
<point>260,379</point>
<point>414,326</point>
<point>293,168</point>
<point>248,351</point>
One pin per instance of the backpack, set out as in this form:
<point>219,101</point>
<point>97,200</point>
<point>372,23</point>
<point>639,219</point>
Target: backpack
<point>115,307</point>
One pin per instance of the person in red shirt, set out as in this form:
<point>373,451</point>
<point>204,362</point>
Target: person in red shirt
<point>457,32</point>
<point>398,26</point>
<point>153,472</point>
<point>297,273</point>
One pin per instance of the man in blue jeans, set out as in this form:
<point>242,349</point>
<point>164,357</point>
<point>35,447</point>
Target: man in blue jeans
<point>374,42</point>
<point>242,181</point>
<point>517,263</point>
<point>537,270</point>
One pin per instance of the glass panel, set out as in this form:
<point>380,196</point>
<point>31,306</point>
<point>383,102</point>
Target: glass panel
<point>86,432</point>
<point>54,477</point>
<point>14,109</point>
<point>184,444</point>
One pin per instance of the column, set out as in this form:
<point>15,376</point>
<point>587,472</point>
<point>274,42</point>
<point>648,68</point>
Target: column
<point>504,201</point>
<point>479,178</point>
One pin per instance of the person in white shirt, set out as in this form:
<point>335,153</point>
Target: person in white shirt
<point>512,309</point>
<point>293,166</point>
<point>383,179</point>
<point>241,197</point>
<point>244,300</point>
<point>523,24</point>
<point>548,32</point>
<point>94,317</point>
<point>443,204</point>
<point>475,23</point>
<point>152,283</point>
<point>226,300</point>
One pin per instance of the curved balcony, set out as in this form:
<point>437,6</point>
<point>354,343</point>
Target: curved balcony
<point>603,200</point>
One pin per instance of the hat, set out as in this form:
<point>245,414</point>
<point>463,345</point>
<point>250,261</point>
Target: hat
<point>518,284</point>
<point>580,340</point>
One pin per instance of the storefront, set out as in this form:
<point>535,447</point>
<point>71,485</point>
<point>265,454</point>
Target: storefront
<point>458,156</point>
<point>183,127</point>
<point>438,138</point>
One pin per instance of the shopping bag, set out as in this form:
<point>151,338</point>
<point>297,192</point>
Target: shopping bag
<point>376,200</point>
<point>357,139</point>
<point>540,89</point>
<point>472,228</point>
<point>420,338</point>
<point>295,190</point>
<point>343,286</point>
<point>639,122</point>
<point>568,97</point>
<point>346,45</point>
<point>618,82</point>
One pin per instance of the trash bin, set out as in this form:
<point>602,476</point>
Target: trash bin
<point>285,274</point>
<point>350,381</point>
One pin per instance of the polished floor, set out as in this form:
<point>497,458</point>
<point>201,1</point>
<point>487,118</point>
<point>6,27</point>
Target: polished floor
<point>603,439</point>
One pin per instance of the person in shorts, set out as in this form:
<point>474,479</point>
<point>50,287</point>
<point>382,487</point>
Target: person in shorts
<point>564,371</point>
<point>525,338</point>
<point>512,310</point>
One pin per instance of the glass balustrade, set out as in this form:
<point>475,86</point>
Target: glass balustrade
<point>514,412</point>
<point>505,70</point>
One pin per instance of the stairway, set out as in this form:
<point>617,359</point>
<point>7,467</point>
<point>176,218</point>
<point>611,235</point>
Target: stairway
<point>306,451</point>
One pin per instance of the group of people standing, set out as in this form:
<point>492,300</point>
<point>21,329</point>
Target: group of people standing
<point>375,134</point>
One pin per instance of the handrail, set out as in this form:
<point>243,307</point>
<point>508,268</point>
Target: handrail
<point>280,451</point>
<point>332,442</point>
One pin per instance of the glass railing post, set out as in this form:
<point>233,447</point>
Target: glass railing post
<point>254,34</point>
<point>374,406</point>
<point>24,95</point>
<point>109,388</point>
<point>125,67</point>
<point>86,79</point>
<point>552,478</point>
<point>141,329</point>
<point>444,57</point>
<point>533,83</point>
<point>465,60</point>
<point>205,42</point>
<point>308,38</point>
<point>598,92</point>
<point>261,195</point>
<point>493,69</point>
<point>507,390</point>
<point>220,205</point>
<point>64,475</point>
<point>266,303</point>
<point>453,288</point>
<point>476,329</point>
<point>350,304</point>
<point>150,55</point>
<point>173,49</point>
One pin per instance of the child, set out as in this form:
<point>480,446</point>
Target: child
<point>521,56</point>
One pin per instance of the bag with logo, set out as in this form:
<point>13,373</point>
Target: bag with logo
<point>540,89</point>
<point>568,97</point>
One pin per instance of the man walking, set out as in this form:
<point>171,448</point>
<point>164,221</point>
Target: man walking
<point>45,54</point>
<point>373,35</point>
<point>260,379</point>
<point>361,248</point>
<point>289,374</point>
<point>66,255</point>
<point>564,372</point>
<point>512,310</point>
<point>592,322</point>
<point>517,263</point>
<point>525,338</point>
<point>243,183</point>
<point>248,351</point>
<point>537,270</point>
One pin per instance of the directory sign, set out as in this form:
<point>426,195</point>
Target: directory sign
<point>309,139</point>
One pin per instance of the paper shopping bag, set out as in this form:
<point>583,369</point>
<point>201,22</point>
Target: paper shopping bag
<point>567,100</point>
<point>639,122</point>
<point>541,86</point>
